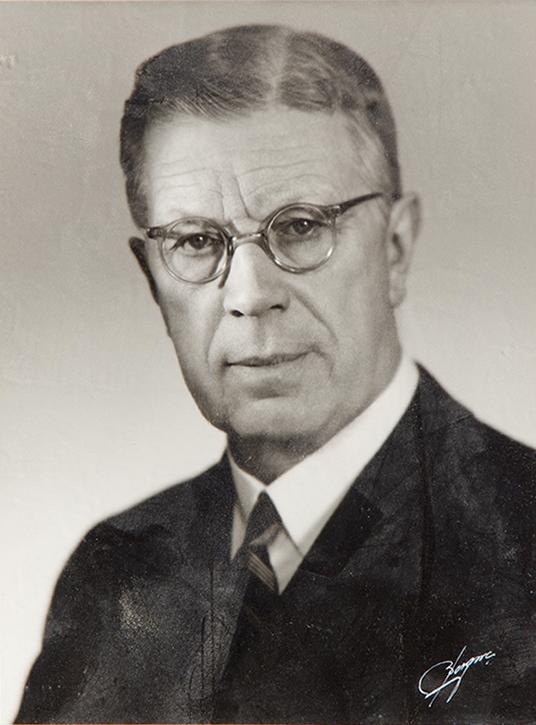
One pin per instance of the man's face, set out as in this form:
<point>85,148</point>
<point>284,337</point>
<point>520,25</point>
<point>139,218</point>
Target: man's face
<point>268,354</point>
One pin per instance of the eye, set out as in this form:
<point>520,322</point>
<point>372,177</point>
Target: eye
<point>297,229</point>
<point>196,244</point>
<point>301,227</point>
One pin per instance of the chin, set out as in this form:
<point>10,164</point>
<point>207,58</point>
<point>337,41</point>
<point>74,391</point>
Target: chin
<point>273,420</point>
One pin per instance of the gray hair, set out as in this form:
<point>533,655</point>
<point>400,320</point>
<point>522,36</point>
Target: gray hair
<point>240,70</point>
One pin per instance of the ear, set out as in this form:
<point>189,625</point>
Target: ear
<point>402,231</point>
<point>137,247</point>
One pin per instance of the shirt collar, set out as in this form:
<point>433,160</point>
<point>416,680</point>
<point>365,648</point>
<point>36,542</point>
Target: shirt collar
<point>306,495</point>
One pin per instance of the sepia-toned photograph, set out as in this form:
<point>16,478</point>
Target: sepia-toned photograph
<point>268,362</point>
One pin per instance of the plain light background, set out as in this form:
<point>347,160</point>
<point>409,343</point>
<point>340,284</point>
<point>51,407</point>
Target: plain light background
<point>94,415</point>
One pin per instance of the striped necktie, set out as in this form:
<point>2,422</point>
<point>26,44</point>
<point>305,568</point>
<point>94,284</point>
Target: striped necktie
<point>263,525</point>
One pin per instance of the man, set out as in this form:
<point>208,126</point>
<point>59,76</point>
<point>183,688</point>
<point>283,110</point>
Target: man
<point>364,550</point>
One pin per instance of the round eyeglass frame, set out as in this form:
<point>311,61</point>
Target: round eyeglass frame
<point>260,237</point>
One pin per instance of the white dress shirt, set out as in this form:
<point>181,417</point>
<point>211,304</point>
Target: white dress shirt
<point>307,494</point>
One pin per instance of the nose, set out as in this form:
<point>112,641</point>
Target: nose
<point>254,285</point>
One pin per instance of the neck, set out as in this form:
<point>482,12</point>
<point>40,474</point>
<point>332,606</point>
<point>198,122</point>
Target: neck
<point>266,459</point>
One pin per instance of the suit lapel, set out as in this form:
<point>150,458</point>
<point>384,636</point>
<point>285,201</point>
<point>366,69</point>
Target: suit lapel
<point>360,584</point>
<point>376,507</point>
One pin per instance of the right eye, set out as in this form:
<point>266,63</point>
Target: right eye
<point>195,245</point>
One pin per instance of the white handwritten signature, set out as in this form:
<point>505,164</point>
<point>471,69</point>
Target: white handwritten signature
<point>455,672</point>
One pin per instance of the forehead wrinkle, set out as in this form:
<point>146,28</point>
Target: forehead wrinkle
<point>291,164</point>
<point>297,148</point>
<point>174,205</point>
<point>283,189</point>
<point>168,188</point>
<point>171,176</point>
<point>187,172</point>
<point>278,159</point>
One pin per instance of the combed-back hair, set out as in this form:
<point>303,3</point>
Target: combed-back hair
<point>240,70</point>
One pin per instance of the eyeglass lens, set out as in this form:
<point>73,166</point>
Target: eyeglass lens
<point>194,249</point>
<point>299,237</point>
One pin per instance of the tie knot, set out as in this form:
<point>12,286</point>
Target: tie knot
<point>263,523</point>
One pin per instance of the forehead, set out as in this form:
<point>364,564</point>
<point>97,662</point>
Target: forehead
<point>249,166</point>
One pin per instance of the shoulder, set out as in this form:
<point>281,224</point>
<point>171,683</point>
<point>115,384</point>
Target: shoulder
<point>144,536</point>
<point>174,507</point>
<point>481,483</point>
<point>454,432</point>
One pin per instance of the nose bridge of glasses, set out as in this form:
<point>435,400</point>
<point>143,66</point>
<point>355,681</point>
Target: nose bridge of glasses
<point>237,240</point>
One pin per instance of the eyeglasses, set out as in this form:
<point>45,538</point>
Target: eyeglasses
<point>297,238</point>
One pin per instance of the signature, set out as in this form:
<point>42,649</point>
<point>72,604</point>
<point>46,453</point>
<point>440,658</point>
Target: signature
<point>454,674</point>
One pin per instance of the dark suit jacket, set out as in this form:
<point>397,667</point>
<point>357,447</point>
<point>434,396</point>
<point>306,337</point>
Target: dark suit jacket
<point>428,560</point>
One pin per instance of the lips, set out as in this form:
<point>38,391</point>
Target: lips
<point>258,361</point>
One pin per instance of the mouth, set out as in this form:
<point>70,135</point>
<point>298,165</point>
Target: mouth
<point>263,361</point>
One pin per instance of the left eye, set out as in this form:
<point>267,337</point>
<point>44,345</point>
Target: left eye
<point>303,226</point>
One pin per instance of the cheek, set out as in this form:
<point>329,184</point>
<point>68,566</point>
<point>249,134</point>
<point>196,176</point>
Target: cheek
<point>362,310</point>
<point>191,320</point>
<point>192,329</point>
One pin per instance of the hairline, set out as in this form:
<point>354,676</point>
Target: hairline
<point>303,71</point>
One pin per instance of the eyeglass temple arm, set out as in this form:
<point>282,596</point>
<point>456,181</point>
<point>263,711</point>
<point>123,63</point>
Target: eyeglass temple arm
<point>341,208</point>
<point>337,209</point>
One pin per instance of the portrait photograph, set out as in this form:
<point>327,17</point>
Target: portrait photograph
<point>268,362</point>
